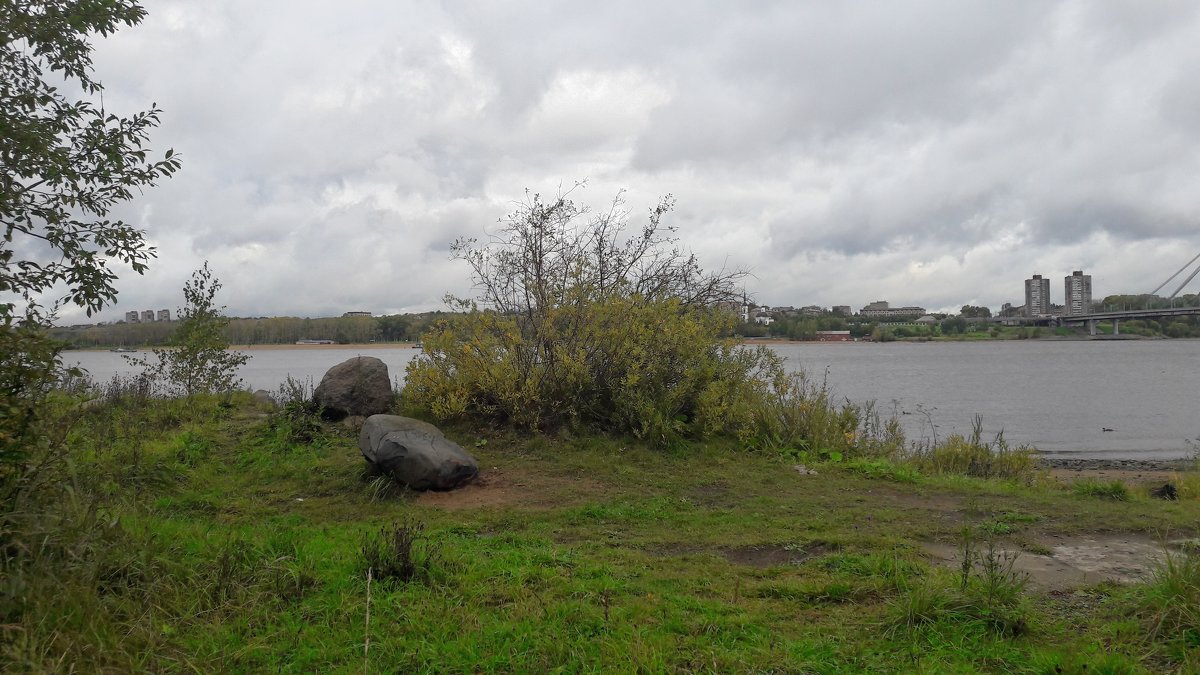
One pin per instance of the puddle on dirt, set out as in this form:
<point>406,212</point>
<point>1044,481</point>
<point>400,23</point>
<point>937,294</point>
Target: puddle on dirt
<point>1076,561</point>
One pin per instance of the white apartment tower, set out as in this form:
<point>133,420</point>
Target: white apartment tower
<point>1037,296</point>
<point>1078,293</point>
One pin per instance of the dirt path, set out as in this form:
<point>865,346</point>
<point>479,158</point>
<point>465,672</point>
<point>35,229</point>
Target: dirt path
<point>1080,560</point>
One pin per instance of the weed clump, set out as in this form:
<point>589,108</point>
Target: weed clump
<point>1170,602</point>
<point>1187,483</point>
<point>296,419</point>
<point>972,456</point>
<point>400,553</point>
<point>799,416</point>
<point>989,592</point>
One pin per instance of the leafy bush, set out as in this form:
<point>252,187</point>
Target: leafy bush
<point>583,325</point>
<point>30,365</point>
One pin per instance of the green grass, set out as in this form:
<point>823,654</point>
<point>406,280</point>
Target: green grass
<point>210,538</point>
<point>1113,490</point>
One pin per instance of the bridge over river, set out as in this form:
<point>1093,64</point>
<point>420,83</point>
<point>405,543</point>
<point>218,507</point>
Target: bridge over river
<point>1090,320</point>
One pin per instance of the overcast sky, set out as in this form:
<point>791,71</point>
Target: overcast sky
<point>930,153</point>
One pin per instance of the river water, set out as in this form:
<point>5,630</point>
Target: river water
<point>1059,396</point>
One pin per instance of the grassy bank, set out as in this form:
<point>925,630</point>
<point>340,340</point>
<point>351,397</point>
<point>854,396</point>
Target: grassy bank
<point>223,536</point>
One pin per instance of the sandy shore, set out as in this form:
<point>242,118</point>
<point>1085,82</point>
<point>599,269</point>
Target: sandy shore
<point>352,345</point>
<point>1129,471</point>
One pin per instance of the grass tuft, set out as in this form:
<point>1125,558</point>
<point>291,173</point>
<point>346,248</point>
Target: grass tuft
<point>1113,490</point>
<point>972,456</point>
<point>1171,600</point>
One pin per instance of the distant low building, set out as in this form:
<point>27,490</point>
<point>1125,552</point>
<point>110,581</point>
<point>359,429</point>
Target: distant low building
<point>812,310</point>
<point>833,336</point>
<point>844,310</point>
<point>881,310</point>
<point>877,305</point>
<point>1008,310</point>
<point>357,314</point>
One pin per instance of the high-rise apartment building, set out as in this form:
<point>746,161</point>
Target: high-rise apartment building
<point>131,317</point>
<point>1037,296</point>
<point>1078,293</point>
<point>148,316</point>
<point>164,315</point>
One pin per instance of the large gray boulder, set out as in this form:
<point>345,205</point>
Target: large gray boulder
<point>415,453</point>
<point>358,386</point>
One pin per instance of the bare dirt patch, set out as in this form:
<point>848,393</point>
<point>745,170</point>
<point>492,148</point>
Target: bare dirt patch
<point>773,555</point>
<point>1076,561</point>
<point>1130,477</point>
<point>714,495</point>
<point>760,556</point>
<point>512,488</point>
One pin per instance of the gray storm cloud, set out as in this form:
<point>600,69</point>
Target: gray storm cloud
<point>926,152</point>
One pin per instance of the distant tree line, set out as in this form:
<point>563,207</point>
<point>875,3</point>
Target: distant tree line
<point>259,331</point>
<point>409,327</point>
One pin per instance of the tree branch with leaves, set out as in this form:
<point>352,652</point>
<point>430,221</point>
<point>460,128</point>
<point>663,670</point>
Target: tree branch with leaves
<point>65,162</point>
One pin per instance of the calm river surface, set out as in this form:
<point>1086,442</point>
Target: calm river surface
<point>1058,396</point>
